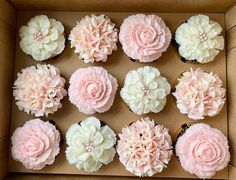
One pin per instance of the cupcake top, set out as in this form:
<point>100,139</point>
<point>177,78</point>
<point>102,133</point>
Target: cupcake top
<point>144,37</point>
<point>42,38</point>
<point>92,89</point>
<point>199,39</point>
<point>39,90</point>
<point>90,144</point>
<point>199,94</point>
<point>94,38</point>
<point>203,150</point>
<point>144,148</point>
<point>145,90</point>
<point>35,144</point>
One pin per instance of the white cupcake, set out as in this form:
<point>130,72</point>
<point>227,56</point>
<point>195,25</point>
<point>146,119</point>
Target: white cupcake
<point>42,38</point>
<point>199,39</point>
<point>90,144</point>
<point>145,90</point>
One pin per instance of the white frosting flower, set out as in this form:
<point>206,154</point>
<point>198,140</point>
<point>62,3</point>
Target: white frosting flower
<point>42,38</point>
<point>199,39</point>
<point>90,145</point>
<point>145,90</point>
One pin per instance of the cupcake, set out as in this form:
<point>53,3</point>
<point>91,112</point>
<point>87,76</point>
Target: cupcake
<point>199,40</point>
<point>42,38</point>
<point>94,38</point>
<point>202,150</point>
<point>144,148</point>
<point>90,144</point>
<point>92,90</point>
<point>199,94</point>
<point>39,89</point>
<point>145,90</point>
<point>35,144</point>
<point>144,37</point>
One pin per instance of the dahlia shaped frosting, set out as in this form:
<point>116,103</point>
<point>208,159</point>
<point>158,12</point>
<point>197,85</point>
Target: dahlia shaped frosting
<point>199,39</point>
<point>42,38</point>
<point>199,94</point>
<point>144,148</point>
<point>94,38</point>
<point>144,37</point>
<point>39,90</point>
<point>92,89</point>
<point>145,90</point>
<point>203,150</point>
<point>35,144</point>
<point>90,144</point>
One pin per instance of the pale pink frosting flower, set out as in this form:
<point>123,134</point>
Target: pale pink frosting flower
<point>199,94</point>
<point>144,37</point>
<point>92,89</point>
<point>144,148</point>
<point>39,90</point>
<point>203,150</point>
<point>94,38</point>
<point>35,144</point>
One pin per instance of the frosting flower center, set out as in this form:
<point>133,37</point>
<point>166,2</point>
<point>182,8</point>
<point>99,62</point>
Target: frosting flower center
<point>89,147</point>
<point>145,90</point>
<point>38,36</point>
<point>203,37</point>
<point>145,35</point>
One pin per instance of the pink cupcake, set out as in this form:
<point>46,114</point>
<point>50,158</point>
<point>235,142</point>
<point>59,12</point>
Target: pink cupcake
<point>144,37</point>
<point>92,90</point>
<point>203,150</point>
<point>199,94</point>
<point>35,144</point>
<point>94,38</point>
<point>144,148</point>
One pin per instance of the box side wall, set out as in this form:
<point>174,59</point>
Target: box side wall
<point>124,5</point>
<point>7,44</point>
<point>231,65</point>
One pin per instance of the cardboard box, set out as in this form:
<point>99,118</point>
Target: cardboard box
<point>15,13</point>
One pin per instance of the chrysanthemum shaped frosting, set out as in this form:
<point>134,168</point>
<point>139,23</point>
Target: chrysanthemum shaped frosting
<point>42,38</point>
<point>90,144</point>
<point>39,90</point>
<point>203,150</point>
<point>199,39</point>
<point>145,90</point>
<point>94,38</point>
<point>35,144</point>
<point>144,37</point>
<point>199,94</point>
<point>92,90</point>
<point>144,148</point>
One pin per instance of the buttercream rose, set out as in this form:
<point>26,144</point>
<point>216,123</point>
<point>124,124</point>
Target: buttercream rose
<point>144,37</point>
<point>144,148</point>
<point>203,150</point>
<point>199,94</point>
<point>35,144</point>
<point>92,89</point>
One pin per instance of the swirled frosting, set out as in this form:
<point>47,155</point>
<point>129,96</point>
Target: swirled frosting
<point>42,38</point>
<point>199,39</point>
<point>203,150</point>
<point>145,90</point>
<point>199,94</point>
<point>144,37</point>
<point>39,90</point>
<point>90,145</point>
<point>92,89</point>
<point>94,38</point>
<point>35,144</point>
<point>144,148</point>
